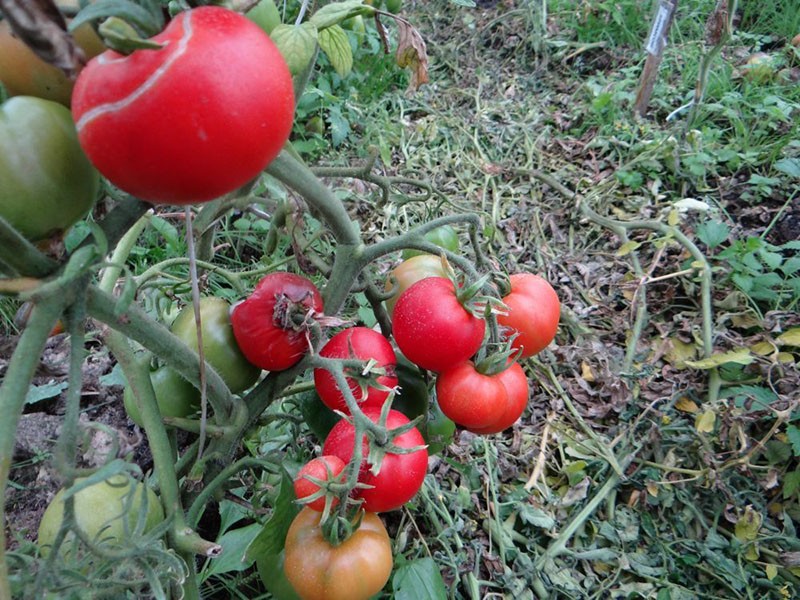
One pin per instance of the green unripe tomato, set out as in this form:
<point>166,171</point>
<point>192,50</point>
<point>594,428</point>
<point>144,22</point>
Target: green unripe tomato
<point>445,237</point>
<point>176,397</point>
<point>107,511</point>
<point>219,344</point>
<point>46,182</point>
<point>265,14</point>
<point>393,6</point>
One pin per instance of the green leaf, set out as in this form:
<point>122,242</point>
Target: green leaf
<point>319,418</point>
<point>270,569</point>
<point>712,233</point>
<point>297,43</point>
<point>234,547</point>
<point>145,16</point>
<point>336,45</point>
<point>340,127</point>
<point>272,536</point>
<point>791,483</point>
<point>419,580</point>
<point>793,434</point>
<point>336,12</point>
<point>167,230</point>
<point>789,166</point>
<point>36,393</point>
<point>740,356</point>
<point>536,516</point>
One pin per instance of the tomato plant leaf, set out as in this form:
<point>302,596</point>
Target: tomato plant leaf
<point>146,16</point>
<point>233,558</point>
<point>336,45</point>
<point>740,356</point>
<point>790,337</point>
<point>418,580</point>
<point>297,43</point>
<point>36,393</point>
<point>336,12</point>
<point>412,54</point>
<point>793,434</point>
<point>712,233</point>
<point>272,535</point>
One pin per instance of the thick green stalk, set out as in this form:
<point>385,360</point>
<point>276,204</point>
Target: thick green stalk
<point>182,538</point>
<point>20,255</point>
<point>13,392</point>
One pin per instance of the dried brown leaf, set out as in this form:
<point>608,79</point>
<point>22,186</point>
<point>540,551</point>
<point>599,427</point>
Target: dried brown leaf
<point>41,26</point>
<point>412,54</point>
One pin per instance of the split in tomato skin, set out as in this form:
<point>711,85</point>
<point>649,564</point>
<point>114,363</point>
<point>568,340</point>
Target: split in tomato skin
<point>263,323</point>
<point>194,120</point>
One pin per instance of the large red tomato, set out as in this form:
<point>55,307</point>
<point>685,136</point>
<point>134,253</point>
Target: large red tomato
<point>400,475</point>
<point>482,403</point>
<point>193,120</point>
<point>363,344</point>
<point>356,569</point>
<point>266,323</point>
<point>432,328</point>
<point>533,313</point>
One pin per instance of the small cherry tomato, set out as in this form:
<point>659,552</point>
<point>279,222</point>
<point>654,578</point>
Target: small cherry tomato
<point>400,475</point>
<point>432,328</point>
<point>482,403</point>
<point>445,237</point>
<point>323,468</point>
<point>268,325</point>
<point>533,313</point>
<point>356,569</point>
<point>363,344</point>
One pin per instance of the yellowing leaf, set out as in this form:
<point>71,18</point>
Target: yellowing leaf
<point>684,404</point>
<point>740,356</point>
<point>762,348</point>
<point>771,571</point>
<point>336,45</point>
<point>704,423</point>
<point>627,248</point>
<point>586,372</point>
<point>752,552</point>
<point>786,358</point>
<point>747,526</point>
<point>297,44</point>
<point>679,352</point>
<point>652,488</point>
<point>789,338</point>
<point>674,217</point>
<point>412,53</point>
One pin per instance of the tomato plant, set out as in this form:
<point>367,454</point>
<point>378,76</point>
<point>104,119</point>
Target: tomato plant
<point>47,182</point>
<point>176,397</point>
<point>356,569</point>
<point>410,271</point>
<point>432,328</point>
<point>197,118</point>
<point>105,511</point>
<point>269,324</point>
<point>533,313</point>
<point>219,343</point>
<point>25,74</point>
<point>322,468</point>
<point>400,475</point>
<point>482,403</point>
<point>445,237</point>
<point>363,344</point>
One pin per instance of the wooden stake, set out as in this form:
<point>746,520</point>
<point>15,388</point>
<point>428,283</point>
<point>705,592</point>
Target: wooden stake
<point>656,43</point>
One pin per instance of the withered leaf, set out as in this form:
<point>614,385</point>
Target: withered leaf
<point>411,53</point>
<point>42,27</point>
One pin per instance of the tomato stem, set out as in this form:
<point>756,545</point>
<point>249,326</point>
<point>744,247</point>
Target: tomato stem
<point>122,37</point>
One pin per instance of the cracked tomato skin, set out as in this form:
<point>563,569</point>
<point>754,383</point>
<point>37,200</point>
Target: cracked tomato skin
<point>261,323</point>
<point>431,327</point>
<point>400,475</point>
<point>533,312</point>
<point>482,403</point>
<point>191,121</point>
<point>356,569</point>
<point>359,343</point>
